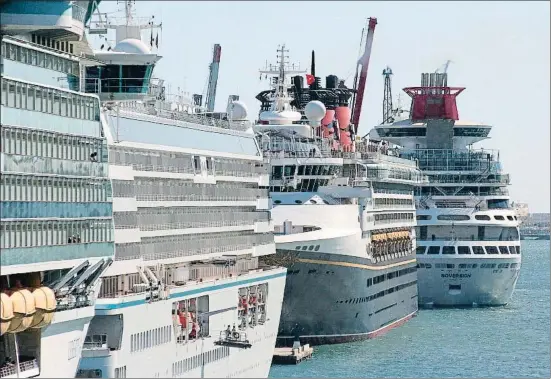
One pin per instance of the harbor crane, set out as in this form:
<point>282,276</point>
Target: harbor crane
<point>359,85</point>
<point>213,78</point>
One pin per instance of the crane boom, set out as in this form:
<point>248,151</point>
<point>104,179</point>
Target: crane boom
<point>213,78</point>
<point>364,62</point>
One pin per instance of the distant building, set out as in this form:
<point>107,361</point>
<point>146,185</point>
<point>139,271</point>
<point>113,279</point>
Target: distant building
<point>522,211</point>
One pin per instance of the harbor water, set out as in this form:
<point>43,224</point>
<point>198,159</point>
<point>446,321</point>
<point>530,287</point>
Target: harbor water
<point>511,341</point>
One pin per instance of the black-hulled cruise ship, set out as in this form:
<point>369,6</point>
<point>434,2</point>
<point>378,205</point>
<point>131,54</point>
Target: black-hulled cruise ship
<point>343,213</point>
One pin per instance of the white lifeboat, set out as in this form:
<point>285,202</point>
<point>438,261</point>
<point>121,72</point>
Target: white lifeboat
<point>23,308</point>
<point>45,303</point>
<point>6,313</point>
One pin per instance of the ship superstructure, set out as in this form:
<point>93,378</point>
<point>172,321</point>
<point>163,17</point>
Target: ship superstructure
<point>343,213</point>
<point>186,295</point>
<point>56,227</point>
<point>468,236</point>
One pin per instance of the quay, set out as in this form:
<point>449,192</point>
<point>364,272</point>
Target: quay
<point>292,355</point>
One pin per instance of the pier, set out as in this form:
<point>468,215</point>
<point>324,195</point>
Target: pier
<point>292,355</point>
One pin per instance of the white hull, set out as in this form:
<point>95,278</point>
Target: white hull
<point>194,359</point>
<point>69,329</point>
<point>469,286</point>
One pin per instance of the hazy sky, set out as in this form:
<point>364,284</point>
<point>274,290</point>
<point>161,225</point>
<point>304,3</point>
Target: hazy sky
<point>499,50</point>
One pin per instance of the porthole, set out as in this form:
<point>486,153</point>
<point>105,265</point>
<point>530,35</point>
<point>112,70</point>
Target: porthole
<point>317,248</point>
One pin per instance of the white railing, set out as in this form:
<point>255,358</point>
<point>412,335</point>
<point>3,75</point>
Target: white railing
<point>11,369</point>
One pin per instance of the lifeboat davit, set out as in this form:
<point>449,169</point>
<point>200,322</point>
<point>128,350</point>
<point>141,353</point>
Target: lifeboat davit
<point>6,313</point>
<point>45,304</point>
<point>23,309</point>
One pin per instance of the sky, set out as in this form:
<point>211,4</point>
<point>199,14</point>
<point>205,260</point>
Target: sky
<point>499,52</point>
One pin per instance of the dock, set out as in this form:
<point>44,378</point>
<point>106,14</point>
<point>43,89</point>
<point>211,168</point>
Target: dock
<point>292,356</point>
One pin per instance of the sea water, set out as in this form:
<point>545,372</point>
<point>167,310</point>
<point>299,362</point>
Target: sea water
<point>507,342</point>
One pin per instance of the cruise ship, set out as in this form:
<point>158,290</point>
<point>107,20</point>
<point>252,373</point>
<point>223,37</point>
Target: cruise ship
<point>468,245</point>
<point>343,213</point>
<point>186,295</point>
<point>56,227</point>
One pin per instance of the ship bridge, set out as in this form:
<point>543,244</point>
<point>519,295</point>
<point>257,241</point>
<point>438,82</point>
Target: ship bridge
<point>434,120</point>
<point>53,21</point>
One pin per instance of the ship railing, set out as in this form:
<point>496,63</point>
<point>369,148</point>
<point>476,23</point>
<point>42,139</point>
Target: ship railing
<point>191,281</point>
<point>455,178</point>
<point>395,222</point>
<point>467,238</point>
<point>95,341</point>
<point>295,229</point>
<point>24,366</point>
<point>392,192</point>
<point>189,170</point>
<point>394,206</point>
<point>155,115</point>
<point>202,197</point>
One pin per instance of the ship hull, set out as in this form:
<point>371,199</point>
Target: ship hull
<point>68,328</point>
<point>327,300</point>
<point>488,283</point>
<point>166,358</point>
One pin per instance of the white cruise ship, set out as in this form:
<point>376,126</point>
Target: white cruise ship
<point>468,236</point>
<point>343,212</point>
<point>56,227</point>
<point>185,296</point>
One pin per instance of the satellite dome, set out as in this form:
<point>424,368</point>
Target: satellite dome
<point>132,46</point>
<point>314,111</point>
<point>237,111</point>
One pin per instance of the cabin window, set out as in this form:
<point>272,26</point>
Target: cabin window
<point>434,250</point>
<point>448,250</point>
<point>420,249</point>
<point>503,250</point>
<point>497,217</point>
<point>478,250</point>
<point>454,217</point>
<point>491,250</point>
<point>463,250</point>
<point>482,217</point>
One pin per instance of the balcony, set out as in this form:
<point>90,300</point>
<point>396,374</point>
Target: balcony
<point>40,254</point>
<point>42,165</point>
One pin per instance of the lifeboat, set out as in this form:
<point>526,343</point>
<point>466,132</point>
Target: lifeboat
<point>45,304</point>
<point>23,308</point>
<point>6,313</point>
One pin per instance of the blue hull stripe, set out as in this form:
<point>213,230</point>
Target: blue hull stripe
<point>105,307</point>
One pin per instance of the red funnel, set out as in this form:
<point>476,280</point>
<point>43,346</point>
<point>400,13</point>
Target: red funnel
<point>328,118</point>
<point>343,117</point>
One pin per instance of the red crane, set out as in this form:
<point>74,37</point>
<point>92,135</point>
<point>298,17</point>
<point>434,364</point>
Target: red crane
<point>364,62</point>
